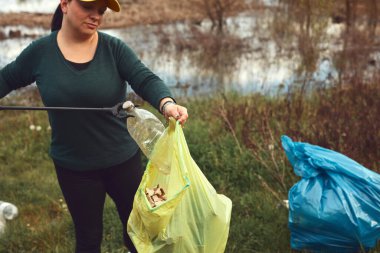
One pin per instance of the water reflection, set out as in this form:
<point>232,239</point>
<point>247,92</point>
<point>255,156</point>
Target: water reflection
<point>256,66</point>
<point>247,59</point>
<point>40,6</point>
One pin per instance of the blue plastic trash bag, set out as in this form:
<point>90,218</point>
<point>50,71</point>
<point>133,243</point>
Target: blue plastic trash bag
<point>335,207</point>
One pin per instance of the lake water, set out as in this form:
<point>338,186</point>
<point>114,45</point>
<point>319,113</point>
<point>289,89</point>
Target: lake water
<point>48,6</point>
<point>41,6</point>
<point>261,67</point>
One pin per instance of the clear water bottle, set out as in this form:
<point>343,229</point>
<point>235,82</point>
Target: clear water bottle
<point>146,129</point>
<point>8,211</point>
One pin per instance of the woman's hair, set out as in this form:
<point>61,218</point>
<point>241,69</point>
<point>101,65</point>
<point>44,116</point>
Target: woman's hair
<point>56,21</point>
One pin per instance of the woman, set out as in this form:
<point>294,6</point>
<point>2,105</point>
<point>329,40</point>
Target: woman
<point>93,153</point>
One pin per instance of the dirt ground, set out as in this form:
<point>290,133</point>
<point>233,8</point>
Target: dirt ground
<point>133,13</point>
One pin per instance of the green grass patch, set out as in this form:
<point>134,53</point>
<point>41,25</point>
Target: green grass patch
<point>235,141</point>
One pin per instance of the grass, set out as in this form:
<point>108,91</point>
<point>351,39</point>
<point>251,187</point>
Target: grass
<point>234,139</point>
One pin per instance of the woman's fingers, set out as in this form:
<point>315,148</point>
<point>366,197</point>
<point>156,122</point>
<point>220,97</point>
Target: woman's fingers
<point>176,111</point>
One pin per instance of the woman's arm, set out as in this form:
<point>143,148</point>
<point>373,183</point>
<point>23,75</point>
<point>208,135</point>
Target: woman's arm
<point>147,85</point>
<point>4,88</point>
<point>19,73</point>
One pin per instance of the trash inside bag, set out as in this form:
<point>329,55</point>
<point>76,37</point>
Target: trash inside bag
<point>191,217</point>
<point>335,207</point>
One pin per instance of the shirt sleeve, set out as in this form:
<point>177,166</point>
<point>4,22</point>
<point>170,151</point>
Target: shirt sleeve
<point>142,80</point>
<point>4,88</point>
<point>18,73</point>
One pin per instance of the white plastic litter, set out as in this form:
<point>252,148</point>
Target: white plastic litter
<point>8,211</point>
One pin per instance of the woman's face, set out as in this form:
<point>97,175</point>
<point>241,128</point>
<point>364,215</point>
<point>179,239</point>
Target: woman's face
<point>83,17</point>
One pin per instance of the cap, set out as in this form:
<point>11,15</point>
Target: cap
<point>111,4</point>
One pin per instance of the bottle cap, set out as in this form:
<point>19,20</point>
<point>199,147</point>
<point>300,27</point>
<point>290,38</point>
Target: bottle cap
<point>9,210</point>
<point>128,105</point>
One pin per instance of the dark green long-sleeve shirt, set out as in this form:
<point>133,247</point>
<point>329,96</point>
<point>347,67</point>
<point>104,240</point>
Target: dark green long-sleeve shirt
<point>85,140</point>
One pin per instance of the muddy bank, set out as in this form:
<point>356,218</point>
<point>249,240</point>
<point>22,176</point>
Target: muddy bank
<point>143,12</point>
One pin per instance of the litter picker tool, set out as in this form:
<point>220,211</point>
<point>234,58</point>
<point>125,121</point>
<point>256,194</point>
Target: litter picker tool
<point>116,110</point>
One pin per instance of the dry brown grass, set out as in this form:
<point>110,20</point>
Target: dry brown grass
<point>132,13</point>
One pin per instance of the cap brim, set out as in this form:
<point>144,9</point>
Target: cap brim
<point>111,4</point>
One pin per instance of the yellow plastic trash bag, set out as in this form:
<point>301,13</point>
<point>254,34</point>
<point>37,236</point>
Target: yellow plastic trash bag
<point>193,219</point>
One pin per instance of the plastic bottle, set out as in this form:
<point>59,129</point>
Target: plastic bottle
<point>146,129</point>
<point>8,211</point>
<point>2,224</point>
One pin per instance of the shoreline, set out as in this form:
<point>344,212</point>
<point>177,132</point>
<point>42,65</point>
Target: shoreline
<point>145,13</point>
<point>111,20</point>
<point>133,13</point>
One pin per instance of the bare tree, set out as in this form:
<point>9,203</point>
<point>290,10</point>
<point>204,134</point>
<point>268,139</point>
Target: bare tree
<point>217,10</point>
<point>373,16</point>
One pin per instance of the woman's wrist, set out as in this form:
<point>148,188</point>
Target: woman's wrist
<point>166,103</point>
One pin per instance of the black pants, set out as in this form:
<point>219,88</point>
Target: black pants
<point>85,194</point>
